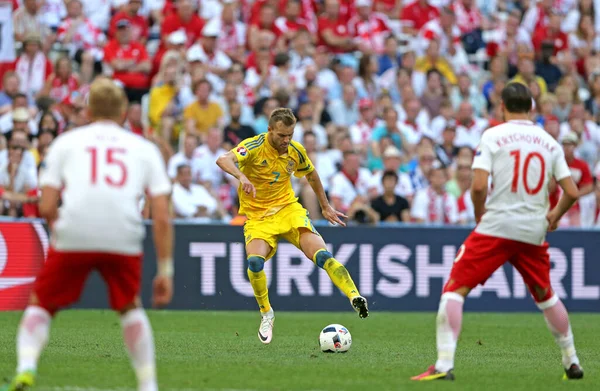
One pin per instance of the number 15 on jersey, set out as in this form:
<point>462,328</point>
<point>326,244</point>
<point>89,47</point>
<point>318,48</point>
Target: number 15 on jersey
<point>110,160</point>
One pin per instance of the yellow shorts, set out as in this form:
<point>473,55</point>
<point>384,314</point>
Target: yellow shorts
<point>284,224</point>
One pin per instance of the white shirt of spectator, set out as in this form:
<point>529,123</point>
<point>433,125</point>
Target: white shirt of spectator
<point>24,177</point>
<point>589,211</point>
<point>521,214</point>
<point>98,12</point>
<point>6,124</point>
<point>422,120</point>
<point>219,59</point>
<point>177,160</point>
<point>326,167</point>
<point>470,135</point>
<point>7,33</point>
<point>28,162</point>
<point>371,32</point>
<point>590,141</point>
<point>205,168</point>
<point>342,188</point>
<point>53,11</point>
<point>97,214</point>
<point>230,37</point>
<point>317,129</point>
<point>404,188</point>
<point>445,209</point>
<point>412,132</point>
<point>360,132</point>
<point>186,202</point>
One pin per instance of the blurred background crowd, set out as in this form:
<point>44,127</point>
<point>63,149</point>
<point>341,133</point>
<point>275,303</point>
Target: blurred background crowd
<point>391,96</point>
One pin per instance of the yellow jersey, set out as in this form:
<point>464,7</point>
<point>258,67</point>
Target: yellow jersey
<point>271,174</point>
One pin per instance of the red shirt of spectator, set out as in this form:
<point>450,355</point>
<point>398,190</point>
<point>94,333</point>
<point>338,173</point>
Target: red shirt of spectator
<point>266,21</point>
<point>419,13</point>
<point>580,171</point>
<point>63,82</point>
<point>139,24</point>
<point>551,33</point>
<point>123,49</point>
<point>291,23</point>
<point>307,11</point>
<point>369,28</point>
<point>468,17</point>
<point>333,25</point>
<point>184,19</point>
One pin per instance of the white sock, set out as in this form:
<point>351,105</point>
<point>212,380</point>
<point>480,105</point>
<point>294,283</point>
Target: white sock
<point>449,320</point>
<point>32,337</point>
<point>137,334</point>
<point>557,319</point>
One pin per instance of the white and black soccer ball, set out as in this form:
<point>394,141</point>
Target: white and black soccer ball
<point>335,338</point>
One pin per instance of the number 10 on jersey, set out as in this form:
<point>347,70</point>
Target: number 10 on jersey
<point>113,157</point>
<point>516,154</point>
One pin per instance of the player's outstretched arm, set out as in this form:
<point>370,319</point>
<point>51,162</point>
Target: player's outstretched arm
<point>228,163</point>
<point>479,190</point>
<point>163,241</point>
<point>567,200</point>
<point>330,214</point>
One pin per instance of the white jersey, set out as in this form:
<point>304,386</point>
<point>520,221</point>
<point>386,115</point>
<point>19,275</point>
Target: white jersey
<point>522,159</point>
<point>104,171</point>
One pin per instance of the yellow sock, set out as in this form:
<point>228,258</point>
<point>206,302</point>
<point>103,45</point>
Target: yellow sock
<point>258,280</point>
<point>337,272</point>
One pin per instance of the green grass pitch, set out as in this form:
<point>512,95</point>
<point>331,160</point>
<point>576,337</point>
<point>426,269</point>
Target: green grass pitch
<point>220,351</point>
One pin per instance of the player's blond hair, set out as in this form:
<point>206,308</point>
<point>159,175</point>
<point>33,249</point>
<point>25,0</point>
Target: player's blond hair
<point>107,100</point>
<point>283,115</point>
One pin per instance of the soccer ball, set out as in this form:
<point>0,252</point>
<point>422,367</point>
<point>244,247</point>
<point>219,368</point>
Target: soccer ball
<point>335,338</point>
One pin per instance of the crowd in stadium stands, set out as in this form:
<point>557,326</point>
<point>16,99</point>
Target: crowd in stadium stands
<point>391,96</point>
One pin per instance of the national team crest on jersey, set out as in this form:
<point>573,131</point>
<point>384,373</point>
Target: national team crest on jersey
<point>242,151</point>
<point>290,166</point>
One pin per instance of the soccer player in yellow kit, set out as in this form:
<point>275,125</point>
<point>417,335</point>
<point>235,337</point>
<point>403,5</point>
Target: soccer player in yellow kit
<point>264,165</point>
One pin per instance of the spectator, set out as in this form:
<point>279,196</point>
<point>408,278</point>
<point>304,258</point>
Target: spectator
<point>526,74</point>
<point>332,30</point>
<point>505,40</point>
<point>392,160</point>
<point>433,204</point>
<point>564,102</point>
<point>433,60</point>
<point>204,113</point>
<point>446,116</point>
<point>466,91</point>
<point>17,178</point>
<point>19,117</point>
<point>390,128</point>
<point>546,67</point>
<point>174,43</point>
<point>232,32</point>
<point>165,108</point>
<point>390,8</point>
<point>326,167</point>
<point>183,19</point>
<point>32,66</point>
<point>306,124</point>
<point>207,52</point>
<point>581,175</point>
<point>301,57</point>
<point>344,112</point>
<point>434,94</point>
<point>446,32</point>
<point>410,127</point>
<point>390,58</point>
<point>47,132</point>
<point>84,40</point>
<point>459,187</point>
<point>10,89</point>
<point>62,83</point>
<point>290,23</point>
<point>129,61</point>
<point>133,121</point>
<point>590,207</point>
<point>367,83</point>
<point>236,132</point>
<point>447,150</point>
<point>469,127</point>
<point>419,173</point>
<point>350,186</point>
<point>261,123</point>
<point>137,22</point>
<point>416,15</point>
<point>98,12</point>
<point>193,201</point>
<point>316,97</point>
<point>28,20</point>
<point>184,157</point>
<point>551,33</point>
<point>205,156</point>
<point>362,130</point>
<point>390,206</point>
<point>368,28</point>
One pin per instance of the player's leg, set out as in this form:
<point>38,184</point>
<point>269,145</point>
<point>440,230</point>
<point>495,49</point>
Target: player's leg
<point>533,263</point>
<point>123,275</point>
<point>476,260</point>
<point>313,246</point>
<point>258,251</point>
<point>58,285</point>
